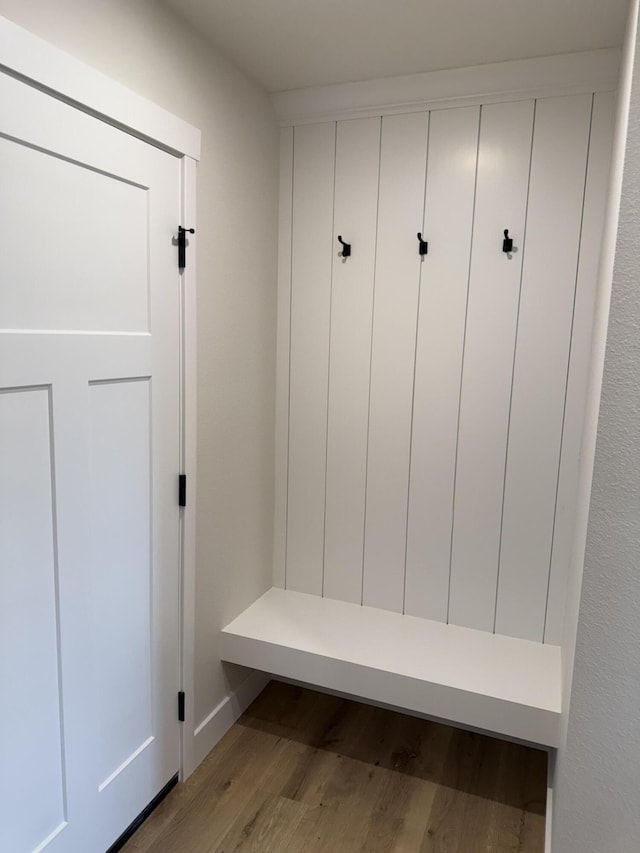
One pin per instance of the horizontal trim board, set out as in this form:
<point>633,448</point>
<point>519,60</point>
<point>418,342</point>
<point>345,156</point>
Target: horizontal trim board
<point>574,73</point>
<point>499,684</point>
<point>50,69</point>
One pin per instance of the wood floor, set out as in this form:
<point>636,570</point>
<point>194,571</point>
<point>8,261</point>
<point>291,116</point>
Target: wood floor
<point>304,772</point>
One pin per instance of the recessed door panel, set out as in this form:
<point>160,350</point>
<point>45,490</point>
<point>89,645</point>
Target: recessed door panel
<point>120,457</point>
<point>90,270</point>
<point>32,789</point>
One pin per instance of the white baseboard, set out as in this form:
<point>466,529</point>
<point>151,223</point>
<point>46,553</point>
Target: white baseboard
<point>551,769</point>
<point>224,715</point>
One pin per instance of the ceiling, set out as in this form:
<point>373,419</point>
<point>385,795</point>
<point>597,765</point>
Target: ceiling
<point>290,44</point>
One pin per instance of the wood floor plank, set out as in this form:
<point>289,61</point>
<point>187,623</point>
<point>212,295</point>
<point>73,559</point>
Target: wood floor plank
<point>265,824</point>
<point>446,826</point>
<point>306,772</point>
<point>405,793</point>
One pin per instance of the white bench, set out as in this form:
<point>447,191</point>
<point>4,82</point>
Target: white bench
<point>498,684</point>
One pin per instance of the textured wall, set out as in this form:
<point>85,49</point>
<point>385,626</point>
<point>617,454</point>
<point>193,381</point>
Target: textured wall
<point>597,785</point>
<point>144,46</point>
<point>598,346</point>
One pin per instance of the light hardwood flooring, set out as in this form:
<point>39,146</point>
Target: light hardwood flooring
<point>304,772</point>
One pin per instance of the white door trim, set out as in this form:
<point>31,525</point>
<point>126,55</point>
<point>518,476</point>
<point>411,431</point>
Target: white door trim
<point>45,67</point>
<point>188,380</point>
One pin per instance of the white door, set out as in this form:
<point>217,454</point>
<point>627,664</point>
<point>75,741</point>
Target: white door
<point>89,455</point>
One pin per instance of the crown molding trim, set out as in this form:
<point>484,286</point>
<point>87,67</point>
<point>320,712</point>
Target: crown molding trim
<point>573,73</point>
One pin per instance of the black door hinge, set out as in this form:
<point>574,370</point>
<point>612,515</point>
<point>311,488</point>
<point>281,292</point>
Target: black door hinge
<point>182,489</point>
<point>182,245</point>
<point>181,706</point>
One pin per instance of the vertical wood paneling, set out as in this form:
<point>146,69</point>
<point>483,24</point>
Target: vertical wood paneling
<point>421,403</point>
<point>282,355</point>
<point>501,197</point>
<point>355,217</point>
<point>312,252</point>
<point>554,219</point>
<point>592,225</point>
<point>448,220</point>
<point>402,175</point>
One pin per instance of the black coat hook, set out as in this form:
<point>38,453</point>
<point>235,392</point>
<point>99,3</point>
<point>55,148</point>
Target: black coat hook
<point>507,243</point>
<point>423,246</point>
<point>346,247</point>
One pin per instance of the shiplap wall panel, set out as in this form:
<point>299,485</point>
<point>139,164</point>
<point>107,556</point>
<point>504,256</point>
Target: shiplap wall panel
<point>312,254</point>
<point>601,139</point>
<point>282,354</point>
<point>554,220</point>
<point>501,198</point>
<point>355,219</point>
<point>401,205</point>
<point>448,220</point>
<point>428,468</point>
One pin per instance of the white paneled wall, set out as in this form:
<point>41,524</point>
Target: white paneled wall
<point>448,221</point>
<point>554,221</point>
<point>425,395</point>
<point>355,218</point>
<point>311,262</point>
<point>502,182</point>
<point>397,284</point>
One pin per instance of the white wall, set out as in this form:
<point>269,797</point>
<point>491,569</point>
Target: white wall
<point>601,317</point>
<point>596,801</point>
<point>144,46</point>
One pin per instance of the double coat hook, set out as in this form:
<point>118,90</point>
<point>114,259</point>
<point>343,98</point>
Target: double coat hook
<point>346,247</point>
<point>423,246</point>
<point>507,243</point>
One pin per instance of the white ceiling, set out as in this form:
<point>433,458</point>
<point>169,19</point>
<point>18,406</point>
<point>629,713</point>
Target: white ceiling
<point>290,44</point>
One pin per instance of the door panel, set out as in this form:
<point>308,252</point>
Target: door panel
<point>119,452</point>
<point>355,215</point>
<point>448,219</point>
<point>29,661</point>
<point>402,174</point>
<point>89,327</point>
<point>90,270</point>
<point>501,198</point>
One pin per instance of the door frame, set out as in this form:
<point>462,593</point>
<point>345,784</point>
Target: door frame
<point>43,66</point>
